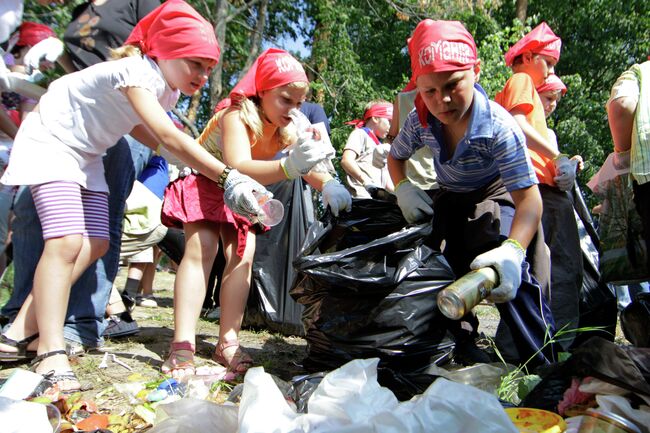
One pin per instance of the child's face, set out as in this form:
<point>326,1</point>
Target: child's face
<point>278,102</point>
<point>550,101</point>
<point>538,66</point>
<point>381,127</point>
<point>448,95</point>
<point>186,74</point>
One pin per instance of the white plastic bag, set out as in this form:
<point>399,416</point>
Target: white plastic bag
<point>349,400</point>
<point>607,172</point>
<point>189,415</point>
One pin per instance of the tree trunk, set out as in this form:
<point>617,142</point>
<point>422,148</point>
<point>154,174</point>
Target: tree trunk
<point>256,37</point>
<point>221,9</point>
<point>193,109</point>
<point>521,9</point>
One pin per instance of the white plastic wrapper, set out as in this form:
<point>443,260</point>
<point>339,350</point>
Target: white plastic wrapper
<point>305,132</point>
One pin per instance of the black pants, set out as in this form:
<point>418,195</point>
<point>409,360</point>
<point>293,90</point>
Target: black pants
<point>642,201</point>
<point>475,222</point>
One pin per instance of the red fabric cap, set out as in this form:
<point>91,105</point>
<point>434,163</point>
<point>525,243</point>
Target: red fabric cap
<point>383,110</point>
<point>551,84</point>
<point>223,104</point>
<point>32,33</point>
<point>273,68</point>
<point>438,46</point>
<point>540,40</point>
<point>175,30</point>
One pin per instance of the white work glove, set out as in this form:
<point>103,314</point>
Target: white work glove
<point>49,49</point>
<point>380,155</point>
<point>336,197</point>
<point>4,75</point>
<point>565,170</point>
<point>414,202</point>
<point>238,194</point>
<point>303,157</point>
<point>506,260</point>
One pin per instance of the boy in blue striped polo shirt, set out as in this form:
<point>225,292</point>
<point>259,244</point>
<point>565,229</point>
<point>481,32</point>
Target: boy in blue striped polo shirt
<point>488,208</point>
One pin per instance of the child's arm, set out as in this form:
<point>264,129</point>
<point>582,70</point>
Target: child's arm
<point>508,258</point>
<point>528,213</point>
<point>534,140</point>
<point>163,131</point>
<point>349,164</point>
<point>158,128</point>
<point>620,113</point>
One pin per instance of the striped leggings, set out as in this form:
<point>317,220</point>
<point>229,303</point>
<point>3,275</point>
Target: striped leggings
<point>66,208</point>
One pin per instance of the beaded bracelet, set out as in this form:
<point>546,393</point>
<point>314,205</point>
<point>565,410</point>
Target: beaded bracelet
<point>224,175</point>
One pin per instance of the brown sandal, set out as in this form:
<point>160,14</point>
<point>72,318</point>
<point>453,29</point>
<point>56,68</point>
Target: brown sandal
<point>240,361</point>
<point>177,361</point>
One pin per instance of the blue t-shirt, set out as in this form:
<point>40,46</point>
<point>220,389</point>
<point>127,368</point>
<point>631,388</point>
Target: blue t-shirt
<point>493,145</point>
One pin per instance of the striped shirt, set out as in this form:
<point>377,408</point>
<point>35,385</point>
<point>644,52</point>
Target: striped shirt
<point>493,145</point>
<point>633,83</point>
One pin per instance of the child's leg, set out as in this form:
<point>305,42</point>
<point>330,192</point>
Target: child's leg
<point>201,243</point>
<point>75,229</point>
<point>235,287</point>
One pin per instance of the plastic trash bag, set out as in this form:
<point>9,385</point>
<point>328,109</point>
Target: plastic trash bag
<point>635,321</point>
<point>349,400</point>
<point>369,286</point>
<point>189,415</point>
<point>622,249</point>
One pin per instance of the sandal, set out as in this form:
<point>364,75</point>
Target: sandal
<point>240,361</point>
<point>177,361</point>
<point>52,378</point>
<point>22,354</point>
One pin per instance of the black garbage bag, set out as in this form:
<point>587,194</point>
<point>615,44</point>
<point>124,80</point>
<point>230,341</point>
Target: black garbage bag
<point>369,287</point>
<point>269,304</point>
<point>635,320</point>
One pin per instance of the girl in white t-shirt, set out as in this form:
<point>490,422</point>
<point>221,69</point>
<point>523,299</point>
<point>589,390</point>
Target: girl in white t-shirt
<point>58,153</point>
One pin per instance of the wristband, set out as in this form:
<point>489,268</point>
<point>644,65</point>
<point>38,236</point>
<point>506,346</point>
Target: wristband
<point>515,243</point>
<point>284,169</point>
<point>224,175</point>
<point>400,183</point>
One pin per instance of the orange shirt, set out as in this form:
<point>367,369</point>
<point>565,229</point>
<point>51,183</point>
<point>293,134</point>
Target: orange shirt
<point>519,92</point>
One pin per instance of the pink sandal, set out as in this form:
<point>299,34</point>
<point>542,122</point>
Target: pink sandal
<point>240,361</point>
<point>176,361</point>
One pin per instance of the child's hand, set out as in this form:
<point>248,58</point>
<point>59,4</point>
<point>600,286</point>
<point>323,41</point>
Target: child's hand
<point>303,157</point>
<point>414,203</point>
<point>565,170</point>
<point>336,197</point>
<point>507,260</point>
<point>580,162</point>
<point>238,194</point>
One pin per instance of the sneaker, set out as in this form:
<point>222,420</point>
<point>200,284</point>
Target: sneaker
<point>121,325</point>
<point>146,301</point>
<point>213,314</point>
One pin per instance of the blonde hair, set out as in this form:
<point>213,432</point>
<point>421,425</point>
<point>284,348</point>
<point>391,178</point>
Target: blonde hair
<point>374,102</point>
<point>250,113</point>
<point>125,51</point>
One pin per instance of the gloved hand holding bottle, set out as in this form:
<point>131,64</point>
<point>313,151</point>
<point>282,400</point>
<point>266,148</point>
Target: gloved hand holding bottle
<point>506,260</point>
<point>240,194</point>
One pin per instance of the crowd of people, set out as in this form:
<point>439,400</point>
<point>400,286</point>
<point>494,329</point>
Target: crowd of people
<point>488,175</point>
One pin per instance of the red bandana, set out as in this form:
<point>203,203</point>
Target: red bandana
<point>32,33</point>
<point>383,109</point>
<point>540,40</point>
<point>175,30</point>
<point>273,68</point>
<point>551,84</point>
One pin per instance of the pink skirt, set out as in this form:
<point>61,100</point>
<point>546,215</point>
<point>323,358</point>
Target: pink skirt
<point>196,198</point>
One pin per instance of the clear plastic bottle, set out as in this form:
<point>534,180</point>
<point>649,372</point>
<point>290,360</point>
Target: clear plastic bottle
<point>272,210</point>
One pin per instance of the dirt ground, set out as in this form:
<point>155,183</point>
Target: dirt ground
<point>144,353</point>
